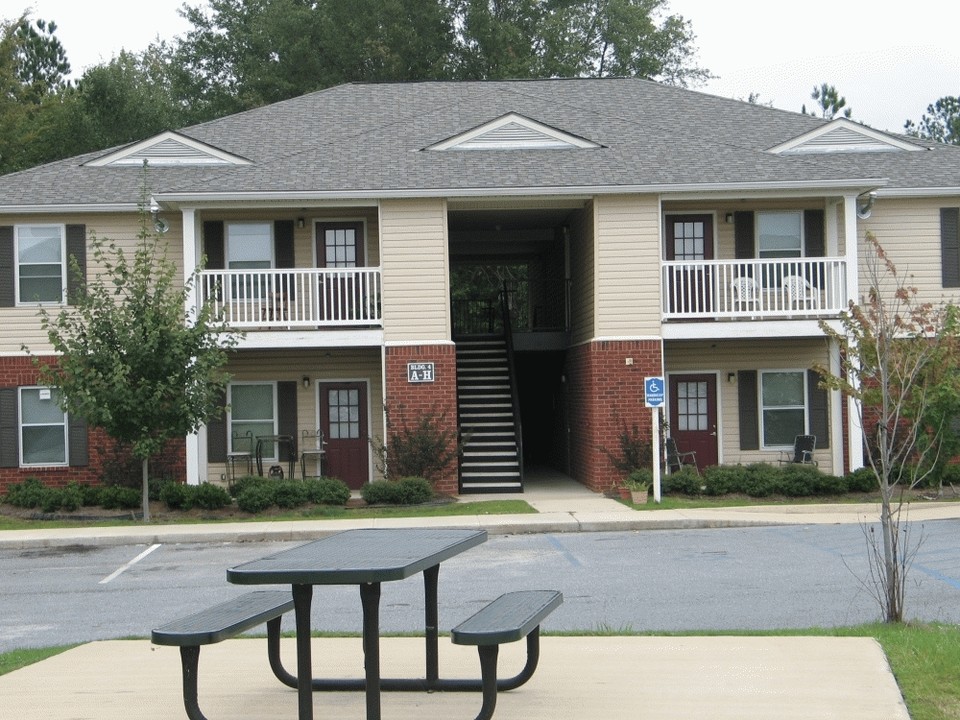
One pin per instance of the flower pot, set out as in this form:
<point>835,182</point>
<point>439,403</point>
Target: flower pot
<point>639,497</point>
<point>625,493</point>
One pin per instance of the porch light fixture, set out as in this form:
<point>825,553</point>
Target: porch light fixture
<point>300,223</point>
<point>306,381</point>
<point>728,218</point>
<point>865,204</point>
<point>731,378</point>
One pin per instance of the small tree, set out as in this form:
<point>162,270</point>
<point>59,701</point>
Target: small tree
<point>133,360</point>
<point>894,350</point>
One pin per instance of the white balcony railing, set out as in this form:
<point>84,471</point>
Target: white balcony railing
<point>753,289</point>
<point>321,297</point>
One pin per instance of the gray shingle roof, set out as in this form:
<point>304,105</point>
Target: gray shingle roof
<point>369,140</point>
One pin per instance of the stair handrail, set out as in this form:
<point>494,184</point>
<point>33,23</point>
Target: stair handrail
<point>511,371</point>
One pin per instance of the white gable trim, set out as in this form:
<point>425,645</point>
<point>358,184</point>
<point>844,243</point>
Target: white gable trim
<point>513,132</point>
<point>842,135</point>
<point>168,148</point>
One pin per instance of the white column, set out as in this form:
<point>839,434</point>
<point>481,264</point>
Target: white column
<point>836,411</point>
<point>191,246</point>
<point>851,245</point>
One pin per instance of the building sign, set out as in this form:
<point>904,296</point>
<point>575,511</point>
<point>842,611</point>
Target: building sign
<point>420,372</point>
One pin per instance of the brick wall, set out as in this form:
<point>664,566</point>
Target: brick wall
<point>20,371</point>
<point>408,402</point>
<point>605,394</point>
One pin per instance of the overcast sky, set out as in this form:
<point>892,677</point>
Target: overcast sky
<point>889,63</point>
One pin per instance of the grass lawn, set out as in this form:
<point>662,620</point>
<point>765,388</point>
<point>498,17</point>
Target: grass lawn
<point>924,659</point>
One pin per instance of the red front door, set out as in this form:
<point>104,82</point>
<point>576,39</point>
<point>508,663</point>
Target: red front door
<point>343,419</point>
<point>690,241</point>
<point>693,416</point>
<point>340,245</point>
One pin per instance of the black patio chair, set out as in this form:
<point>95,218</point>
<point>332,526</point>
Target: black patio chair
<point>802,453</point>
<point>677,460</point>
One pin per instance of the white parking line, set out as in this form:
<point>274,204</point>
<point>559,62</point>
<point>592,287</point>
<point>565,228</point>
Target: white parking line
<point>129,565</point>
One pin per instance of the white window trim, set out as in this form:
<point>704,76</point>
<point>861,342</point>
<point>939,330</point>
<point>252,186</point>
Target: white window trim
<point>64,265</point>
<point>20,426</point>
<point>761,407</point>
<point>230,387</point>
<point>803,239</point>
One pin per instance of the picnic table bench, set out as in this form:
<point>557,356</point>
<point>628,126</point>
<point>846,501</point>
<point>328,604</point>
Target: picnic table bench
<point>510,617</point>
<point>220,622</point>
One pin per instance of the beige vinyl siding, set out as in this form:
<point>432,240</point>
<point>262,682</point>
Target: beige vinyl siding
<point>328,365</point>
<point>909,232</point>
<point>22,324</point>
<point>416,285</point>
<point>724,357</point>
<point>627,253</point>
<point>582,275</point>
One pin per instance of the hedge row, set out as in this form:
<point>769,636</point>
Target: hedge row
<point>31,493</point>
<point>763,480</point>
<point>255,494</point>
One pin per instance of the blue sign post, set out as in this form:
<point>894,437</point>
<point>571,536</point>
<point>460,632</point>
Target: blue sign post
<point>654,397</point>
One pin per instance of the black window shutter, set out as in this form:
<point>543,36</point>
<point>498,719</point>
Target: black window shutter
<point>950,246</point>
<point>744,244</point>
<point>819,410</point>
<point>749,419</point>
<point>283,243</point>
<point>8,294</point>
<point>813,238</point>
<point>9,451</point>
<point>217,434</point>
<point>213,244</point>
<point>77,432</point>
<point>77,248</point>
<point>287,416</point>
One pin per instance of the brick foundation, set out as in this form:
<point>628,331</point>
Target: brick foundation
<point>408,402</point>
<point>605,394</point>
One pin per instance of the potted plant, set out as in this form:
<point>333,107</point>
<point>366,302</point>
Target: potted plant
<point>637,484</point>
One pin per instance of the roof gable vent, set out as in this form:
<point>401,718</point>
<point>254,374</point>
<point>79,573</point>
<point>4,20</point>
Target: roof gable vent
<point>168,149</point>
<point>514,132</point>
<point>843,136</point>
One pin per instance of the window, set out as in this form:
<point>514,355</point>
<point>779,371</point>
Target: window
<point>783,407</point>
<point>250,247</point>
<point>253,409</point>
<point>43,427</point>
<point>41,263</point>
<point>344,407</point>
<point>779,235</point>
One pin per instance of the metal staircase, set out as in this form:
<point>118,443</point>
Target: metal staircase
<point>488,417</point>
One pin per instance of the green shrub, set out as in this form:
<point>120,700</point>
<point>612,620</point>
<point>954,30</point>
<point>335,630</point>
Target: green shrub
<point>177,496</point>
<point>114,497</point>
<point>31,493</point>
<point>760,480</point>
<point>91,494</point>
<point>209,496</point>
<point>255,497</point>
<point>426,449</point>
<point>683,482</point>
<point>289,493</point>
<point>861,480</point>
<point>71,497</point>
<point>405,491</point>
<point>950,475</point>
<point>722,479</point>
<point>326,491</point>
<point>242,483</point>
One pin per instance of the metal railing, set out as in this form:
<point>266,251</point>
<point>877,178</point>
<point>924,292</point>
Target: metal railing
<point>319,297</point>
<point>534,306</point>
<point>753,289</point>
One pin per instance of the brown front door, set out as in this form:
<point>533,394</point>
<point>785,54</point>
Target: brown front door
<point>690,240</point>
<point>343,419</point>
<point>693,416</point>
<point>340,245</point>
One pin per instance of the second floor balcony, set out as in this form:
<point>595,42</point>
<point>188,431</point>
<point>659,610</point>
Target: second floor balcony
<point>341,298</point>
<point>753,289</point>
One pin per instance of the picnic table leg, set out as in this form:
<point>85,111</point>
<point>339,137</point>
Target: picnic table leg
<point>431,624</point>
<point>302,597</point>
<point>370,600</point>
<point>189,660</point>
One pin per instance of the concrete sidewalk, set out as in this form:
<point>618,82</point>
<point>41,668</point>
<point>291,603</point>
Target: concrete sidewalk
<point>655,678</point>
<point>562,506</point>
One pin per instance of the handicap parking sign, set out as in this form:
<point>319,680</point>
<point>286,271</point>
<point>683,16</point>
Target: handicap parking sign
<point>653,392</point>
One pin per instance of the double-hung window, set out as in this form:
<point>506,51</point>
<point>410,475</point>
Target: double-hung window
<point>779,234</point>
<point>783,396</point>
<point>250,248</point>
<point>253,409</point>
<point>41,263</point>
<point>43,427</point>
